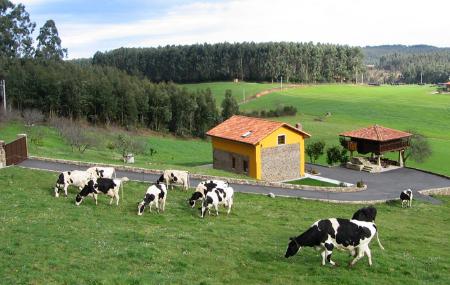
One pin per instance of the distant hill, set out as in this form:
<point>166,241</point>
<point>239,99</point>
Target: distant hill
<point>372,54</point>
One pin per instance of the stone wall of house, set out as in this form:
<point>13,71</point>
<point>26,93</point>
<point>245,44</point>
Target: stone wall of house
<point>224,160</point>
<point>281,162</point>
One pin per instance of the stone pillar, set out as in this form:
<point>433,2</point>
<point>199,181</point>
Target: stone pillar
<point>2,154</point>
<point>379,160</point>
<point>400,158</point>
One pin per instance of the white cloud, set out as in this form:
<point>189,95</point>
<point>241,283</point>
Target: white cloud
<point>345,22</point>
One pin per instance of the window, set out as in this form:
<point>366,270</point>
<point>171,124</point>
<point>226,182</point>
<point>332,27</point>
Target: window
<point>245,165</point>
<point>281,139</point>
<point>233,162</point>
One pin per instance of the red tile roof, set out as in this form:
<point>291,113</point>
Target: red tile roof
<point>248,130</point>
<point>376,133</point>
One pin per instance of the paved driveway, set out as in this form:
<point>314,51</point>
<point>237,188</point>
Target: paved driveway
<point>381,186</point>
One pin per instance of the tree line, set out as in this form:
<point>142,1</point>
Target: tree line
<point>295,62</point>
<point>106,95</point>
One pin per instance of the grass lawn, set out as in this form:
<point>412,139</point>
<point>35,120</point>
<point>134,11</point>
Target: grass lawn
<point>312,182</point>
<point>172,153</point>
<point>48,240</point>
<point>239,90</point>
<point>352,107</point>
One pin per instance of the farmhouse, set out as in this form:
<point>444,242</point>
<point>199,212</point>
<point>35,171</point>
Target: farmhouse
<point>376,140</point>
<point>263,149</point>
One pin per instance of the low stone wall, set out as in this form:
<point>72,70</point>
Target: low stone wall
<point>436,191</point>
<point>204,177</point>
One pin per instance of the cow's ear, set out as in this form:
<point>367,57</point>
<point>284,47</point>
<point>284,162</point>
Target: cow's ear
<point>291,238</point>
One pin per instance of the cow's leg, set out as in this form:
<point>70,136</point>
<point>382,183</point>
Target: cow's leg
<point>403,203</point>
<point>157,206</point>
<point>358,257</point>
<point>369,255</point>
<point>117,198</point>
<point>324,256</point>
<point>329,251</point>
<point>163,203</point>
<point>216,206</point>
<point>150,206</point>
<point>65,189</point>
<point>95,198</point>
<point>230,203</point>
<point>353,252</point>
<point>410,203</point>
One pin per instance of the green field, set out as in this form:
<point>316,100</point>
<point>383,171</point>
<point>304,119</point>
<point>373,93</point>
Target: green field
<point>312,182</point>
<point>352,107</point>
<point>186,154</point>
<point>48,240</point>
<point>241,90</point>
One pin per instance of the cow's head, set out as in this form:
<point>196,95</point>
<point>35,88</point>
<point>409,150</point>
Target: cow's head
<point>194,198</point>
<point>59,184</point>
<point>293,247</point>
<point>160,179</point>
<point>87,189</point>
<point>147,199</point>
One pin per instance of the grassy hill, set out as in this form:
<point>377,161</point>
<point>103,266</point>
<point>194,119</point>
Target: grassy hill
<point>48,240</point>
<point>239,90</point>
<point>351,107</point>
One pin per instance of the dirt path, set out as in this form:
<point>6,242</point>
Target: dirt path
<point>268,91</point>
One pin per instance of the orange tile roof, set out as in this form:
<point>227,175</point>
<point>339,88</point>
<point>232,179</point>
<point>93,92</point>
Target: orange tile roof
<point>248,130</point>
<point>376,133</point>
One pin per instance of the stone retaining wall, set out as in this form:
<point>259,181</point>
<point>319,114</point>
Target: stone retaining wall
<point>204,177</point>
<point>436,191</point>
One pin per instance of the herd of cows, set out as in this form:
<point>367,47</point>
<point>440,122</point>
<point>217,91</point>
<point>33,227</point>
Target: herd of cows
<point>353,235</point>
<point>102,180</point>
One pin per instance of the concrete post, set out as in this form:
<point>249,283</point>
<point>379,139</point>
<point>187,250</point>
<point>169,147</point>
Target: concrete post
<point>379,160</point>
<point>2,154</point>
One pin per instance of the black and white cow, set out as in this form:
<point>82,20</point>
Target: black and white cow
<point>204,187</point>
<point>366,214</point>
<point>218,197</point>
<point>76,178</point>
<point>326,235</point>
<point>102,172</point>
<point>156,194</point>
<point>171,177</point>
<point>105,186</point>
<point>406,197</point>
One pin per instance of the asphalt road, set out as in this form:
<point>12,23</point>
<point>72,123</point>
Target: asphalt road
<point>381,186</point>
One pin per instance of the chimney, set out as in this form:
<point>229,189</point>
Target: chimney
<point>299,126</point>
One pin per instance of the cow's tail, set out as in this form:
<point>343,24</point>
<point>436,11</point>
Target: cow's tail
<point>379,243</point>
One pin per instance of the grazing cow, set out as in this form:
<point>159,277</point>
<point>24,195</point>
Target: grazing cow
<point>102,172</point>
<point>351,235</point>
<point>204,187</point>
<point>156,194</point>
<point>76,178</point>
<point>218,197</point>
<point>171,177</point>
<point>366,214</point>
<point>406,197</point>
<point>105,186</point>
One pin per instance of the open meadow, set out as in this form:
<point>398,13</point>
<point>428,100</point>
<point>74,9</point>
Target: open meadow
<point>406,107</point>
<point>48,240</point>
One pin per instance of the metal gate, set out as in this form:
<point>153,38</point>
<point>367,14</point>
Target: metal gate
<point>16,151</point>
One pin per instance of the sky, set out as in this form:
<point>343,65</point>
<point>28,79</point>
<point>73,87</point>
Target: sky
<point>88,26</point>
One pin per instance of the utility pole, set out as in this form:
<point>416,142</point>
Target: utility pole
<point>421,82</point>
<point>3,90</point>
<point>282,83</point>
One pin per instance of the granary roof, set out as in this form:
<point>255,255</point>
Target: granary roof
<point>248,130</point>
<point>376,133</point>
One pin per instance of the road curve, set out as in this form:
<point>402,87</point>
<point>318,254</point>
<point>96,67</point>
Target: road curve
<point>381,187</point>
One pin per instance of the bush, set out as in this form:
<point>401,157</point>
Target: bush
<point>360,184</point>
<point>315,150</point>
<point>126,144</point>
<point>335,154</point>
<point>280,111</point>
<point>32,116</point>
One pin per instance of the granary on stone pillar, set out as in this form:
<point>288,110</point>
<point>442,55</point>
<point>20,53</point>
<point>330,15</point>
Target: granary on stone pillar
<point>377,140</point>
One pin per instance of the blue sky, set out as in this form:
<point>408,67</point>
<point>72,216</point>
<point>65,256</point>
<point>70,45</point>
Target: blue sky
<point>88,26</point>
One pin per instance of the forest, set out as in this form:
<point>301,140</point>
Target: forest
<point>295,62</point>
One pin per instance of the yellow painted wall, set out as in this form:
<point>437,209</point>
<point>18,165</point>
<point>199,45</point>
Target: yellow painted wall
<point>254,152</point>
<point>239,148</point>
<point>292,137</point>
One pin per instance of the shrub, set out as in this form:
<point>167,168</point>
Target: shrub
<point>335,154</point>
<point>360,184</point>
<point>315,150</point>
<point>32,116</point>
